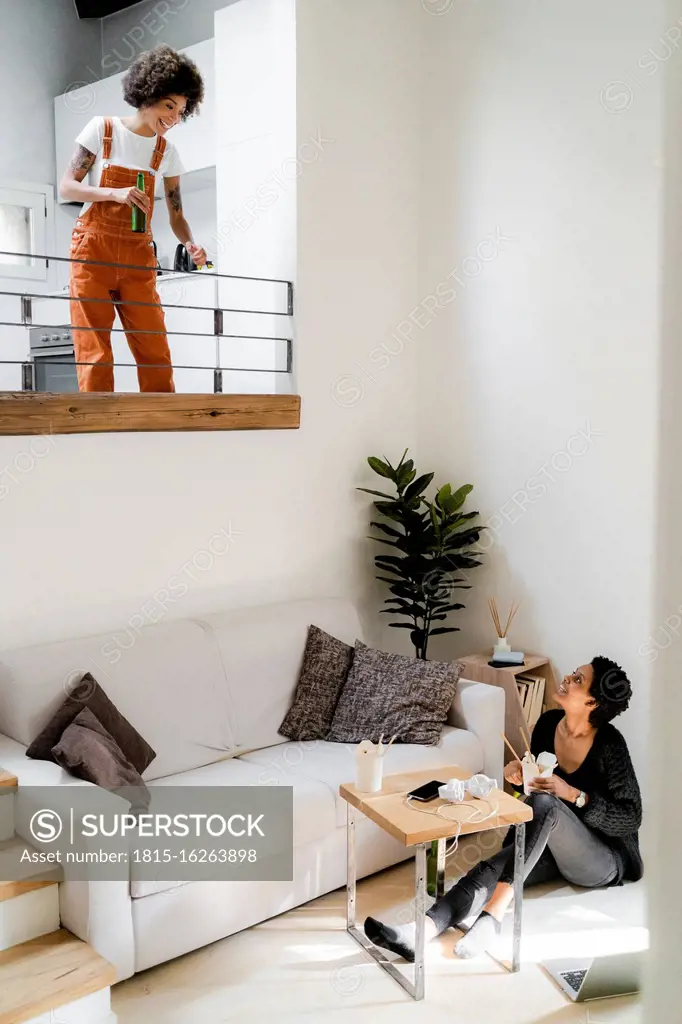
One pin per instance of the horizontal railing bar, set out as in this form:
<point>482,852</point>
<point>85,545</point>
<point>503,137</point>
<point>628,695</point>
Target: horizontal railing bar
<point>164,334</point>
<point>147,366</point>
<point>134,266</point>
<point>127,302</point>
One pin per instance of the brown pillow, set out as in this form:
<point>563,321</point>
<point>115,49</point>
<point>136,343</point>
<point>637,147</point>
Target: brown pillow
<point>393,694</point>
<point>89,694</point>
<point>89,752</point>
<point>326,662</point>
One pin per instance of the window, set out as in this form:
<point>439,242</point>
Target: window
<point>23,231</point>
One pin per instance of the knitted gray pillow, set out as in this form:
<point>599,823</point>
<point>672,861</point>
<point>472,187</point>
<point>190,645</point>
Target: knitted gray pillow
<point>325,666</point>
<point>389,693</point>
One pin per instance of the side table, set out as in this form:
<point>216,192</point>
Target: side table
<point>415,827</point>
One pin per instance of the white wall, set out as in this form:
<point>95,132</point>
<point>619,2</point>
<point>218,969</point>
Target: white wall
<point>91,527</point>
<point>44,49</point>
<point>552,330</point>
<point>256,171</point>
<point>663,995</point>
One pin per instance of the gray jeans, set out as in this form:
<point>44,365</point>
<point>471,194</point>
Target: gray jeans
<point>558,845</point>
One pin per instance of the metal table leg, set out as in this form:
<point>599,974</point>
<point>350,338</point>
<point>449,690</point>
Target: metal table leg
<point>440,869</point>
<point>519,856</point>
<point>351,870</point>
<point>416,989</point>
<point>420,918</point>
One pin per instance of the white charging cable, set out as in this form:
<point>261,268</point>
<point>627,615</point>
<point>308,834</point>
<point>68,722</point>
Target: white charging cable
<point>494,810</point>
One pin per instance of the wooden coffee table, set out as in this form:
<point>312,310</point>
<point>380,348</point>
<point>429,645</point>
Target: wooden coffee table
<point>414,827</point>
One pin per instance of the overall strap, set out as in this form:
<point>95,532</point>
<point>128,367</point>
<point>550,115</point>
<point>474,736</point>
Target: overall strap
<point>158,152</point>
<point>108,138</point>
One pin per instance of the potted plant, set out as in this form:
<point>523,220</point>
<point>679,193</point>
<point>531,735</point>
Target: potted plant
<point>432,545</point>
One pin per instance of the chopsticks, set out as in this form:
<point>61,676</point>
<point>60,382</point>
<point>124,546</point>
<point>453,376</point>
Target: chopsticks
<point>525,739</point>
<point>384,749</point>
<point>516,756</point>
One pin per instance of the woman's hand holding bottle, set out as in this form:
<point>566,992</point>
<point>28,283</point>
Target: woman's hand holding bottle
<point>131,197</point>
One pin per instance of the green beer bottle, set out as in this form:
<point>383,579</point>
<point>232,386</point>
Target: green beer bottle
<point>139,216</point>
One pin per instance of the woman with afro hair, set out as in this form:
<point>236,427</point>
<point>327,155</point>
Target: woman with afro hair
<point>164,88</point>
<point>586,817</point>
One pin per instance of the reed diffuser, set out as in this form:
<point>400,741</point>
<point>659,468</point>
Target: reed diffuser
<point>502,644</point>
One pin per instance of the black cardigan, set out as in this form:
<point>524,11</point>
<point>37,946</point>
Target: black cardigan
<point>614,808</point>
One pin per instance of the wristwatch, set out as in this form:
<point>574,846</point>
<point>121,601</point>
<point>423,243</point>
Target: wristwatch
<point>581,799</point>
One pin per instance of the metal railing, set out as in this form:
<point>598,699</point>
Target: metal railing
<point>28,299</point>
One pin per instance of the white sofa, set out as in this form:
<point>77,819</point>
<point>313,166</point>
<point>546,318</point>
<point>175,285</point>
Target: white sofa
<point>209,694</point>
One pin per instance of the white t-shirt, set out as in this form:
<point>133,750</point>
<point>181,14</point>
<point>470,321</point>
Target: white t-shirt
<point>127,150</point>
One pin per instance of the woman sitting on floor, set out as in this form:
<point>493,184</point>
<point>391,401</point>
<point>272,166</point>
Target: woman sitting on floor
<point>585,823</point>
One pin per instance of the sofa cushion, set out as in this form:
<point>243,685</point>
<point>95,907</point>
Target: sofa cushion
<point>167,680</point>
<point>325,667</point>
<point>89,752</point>
<point>88,695</point>
<point>314,803</point>
<point>262,650</point>
<point>395,695</point>
<point>334,763</point>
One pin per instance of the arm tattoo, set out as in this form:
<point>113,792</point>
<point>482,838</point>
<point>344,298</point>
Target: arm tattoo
<point>81,162</point>
<point>174,198</point>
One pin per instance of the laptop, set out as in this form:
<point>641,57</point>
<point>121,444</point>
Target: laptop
<point>600,977</point>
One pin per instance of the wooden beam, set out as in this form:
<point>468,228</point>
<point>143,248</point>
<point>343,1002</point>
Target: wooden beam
<point>29,412</point>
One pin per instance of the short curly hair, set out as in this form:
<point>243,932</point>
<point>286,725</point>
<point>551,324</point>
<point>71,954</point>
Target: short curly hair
<point>163,72</point>
<point>610,688</point>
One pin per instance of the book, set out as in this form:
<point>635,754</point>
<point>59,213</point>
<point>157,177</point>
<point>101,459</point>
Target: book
<point>532,695</point>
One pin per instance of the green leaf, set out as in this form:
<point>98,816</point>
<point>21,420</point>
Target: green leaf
<point>402,458</point>
<point>389,560</point>
<point>400,625</point>
<point>379,494</point>
<point>418,486</point>
<point>443,494</point>
<point>444,629</point>
<point>457,499</point>
<point>388,529</point>
<point>382,468</point>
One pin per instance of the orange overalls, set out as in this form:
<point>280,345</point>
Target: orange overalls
<point>104,234</point>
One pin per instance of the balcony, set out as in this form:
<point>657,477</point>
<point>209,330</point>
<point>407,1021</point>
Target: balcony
<point>231,346</point>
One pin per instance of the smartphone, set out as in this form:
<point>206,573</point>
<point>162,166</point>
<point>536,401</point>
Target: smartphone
<point>429,791</point>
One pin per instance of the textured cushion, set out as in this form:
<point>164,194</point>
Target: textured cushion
<point>89,694</point>
<point>89,752</point>
<point>325,667</point>
<point>393,694</point>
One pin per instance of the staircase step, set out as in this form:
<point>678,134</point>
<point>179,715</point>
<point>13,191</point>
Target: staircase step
<point>94,1009</point>
<point>9,890</point>
<point>47,973</point>
<point>11,866</point>
<point>29,915</point>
